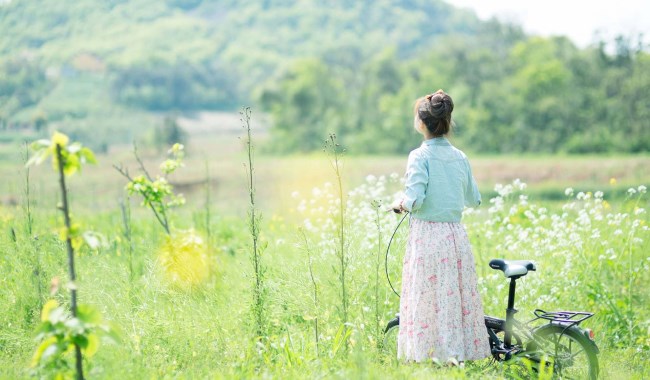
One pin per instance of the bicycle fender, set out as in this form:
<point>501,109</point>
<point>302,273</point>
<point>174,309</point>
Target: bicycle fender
<point>392,323</point>
<point>576,329</point>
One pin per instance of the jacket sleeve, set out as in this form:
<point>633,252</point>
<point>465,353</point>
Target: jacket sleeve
<point>417,178</point>
<point>472,195</point>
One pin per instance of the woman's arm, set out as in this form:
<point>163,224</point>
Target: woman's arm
<point>472,195</point>
<point>417,179</point>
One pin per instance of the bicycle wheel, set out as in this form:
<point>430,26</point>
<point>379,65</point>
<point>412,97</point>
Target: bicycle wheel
<point>573,355</point>
<point>388,352</point>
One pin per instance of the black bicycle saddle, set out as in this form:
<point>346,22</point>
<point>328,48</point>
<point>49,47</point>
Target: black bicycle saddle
<point>512,268</point>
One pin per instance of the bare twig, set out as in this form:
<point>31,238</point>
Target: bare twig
<point>137,157</point>
<point>122,170</point>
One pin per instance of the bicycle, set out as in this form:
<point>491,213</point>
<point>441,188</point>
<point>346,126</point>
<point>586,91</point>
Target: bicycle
<point>560,346</point>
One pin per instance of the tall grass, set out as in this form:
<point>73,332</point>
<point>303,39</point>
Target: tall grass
<point>378,328</point>
<point>127,233</point>
<point>314,286</point>
<point>335,152</point>
<point>29,229</point>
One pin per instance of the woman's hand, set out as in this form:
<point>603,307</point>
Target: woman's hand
<point>396,206</point>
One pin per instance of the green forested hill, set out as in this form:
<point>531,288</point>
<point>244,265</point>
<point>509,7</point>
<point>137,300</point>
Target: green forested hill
<point>213,54</point>
<point>127,33</point>
<point>103,69</point>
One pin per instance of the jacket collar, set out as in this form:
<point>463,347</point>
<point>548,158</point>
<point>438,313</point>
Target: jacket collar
<point>436,141</point>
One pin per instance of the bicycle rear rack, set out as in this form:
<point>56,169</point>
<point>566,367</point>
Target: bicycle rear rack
<point>570,318</point>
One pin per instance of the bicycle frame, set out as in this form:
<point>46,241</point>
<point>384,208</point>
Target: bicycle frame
<point>496,325</point>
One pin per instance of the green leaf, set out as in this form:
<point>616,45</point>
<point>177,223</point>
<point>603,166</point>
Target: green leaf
<point>51,350</point>
<point>74,324</point>
<point>74,148</point>
<point>41,353</point>
<point>71,165</point>
<point>340,338</point>
<point>88,155</point>
<point>40,144</point>
<point>57,315</point>
<point>80,340</point>
<point>60,139</point>
<point>93,345</point>
<point>89,314</point>
<point>38,157</point>
<point>47,309</point>
<point>43,329</point>
<point>91,239</point>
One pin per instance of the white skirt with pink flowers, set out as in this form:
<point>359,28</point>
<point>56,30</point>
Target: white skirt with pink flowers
<point>441,314</point>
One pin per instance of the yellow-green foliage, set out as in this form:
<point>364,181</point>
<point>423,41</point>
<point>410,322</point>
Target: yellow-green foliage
<point>184,259</point>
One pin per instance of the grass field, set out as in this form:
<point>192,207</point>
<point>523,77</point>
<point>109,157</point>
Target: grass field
<point>591,249</point>
<point>220,156</point>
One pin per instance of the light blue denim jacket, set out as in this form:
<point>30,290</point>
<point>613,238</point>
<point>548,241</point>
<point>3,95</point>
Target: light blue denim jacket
<point>439,182</point>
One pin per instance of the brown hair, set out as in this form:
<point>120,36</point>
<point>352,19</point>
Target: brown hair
<point>434,110</point>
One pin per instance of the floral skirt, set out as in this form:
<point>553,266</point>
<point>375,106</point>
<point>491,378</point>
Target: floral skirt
<point>441,314</point>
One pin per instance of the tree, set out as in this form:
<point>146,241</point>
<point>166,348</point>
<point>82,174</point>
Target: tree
<point>169,133</point>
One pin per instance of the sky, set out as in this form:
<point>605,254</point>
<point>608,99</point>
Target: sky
<point>577,19</point>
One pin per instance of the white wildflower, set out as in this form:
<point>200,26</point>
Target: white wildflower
<point>518,184</point>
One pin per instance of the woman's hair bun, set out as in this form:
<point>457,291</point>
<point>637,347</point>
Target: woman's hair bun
<point>435,112</point>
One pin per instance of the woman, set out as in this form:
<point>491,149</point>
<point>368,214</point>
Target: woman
<point>441,314</point>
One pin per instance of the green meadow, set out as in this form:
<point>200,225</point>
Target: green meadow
<point>189,312</point>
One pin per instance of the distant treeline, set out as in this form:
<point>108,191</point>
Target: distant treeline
<point>99,69</point>
<point>512,94</point>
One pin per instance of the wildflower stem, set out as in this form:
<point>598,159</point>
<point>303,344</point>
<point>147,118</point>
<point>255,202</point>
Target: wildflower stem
<point>208,202</point>
<point>334,150</point>
<point>126,220</point>
<point>631,278</point>
<point>28,208</point>
<point>377,266</point>
<point>253,222</point>
<point>30,228</point>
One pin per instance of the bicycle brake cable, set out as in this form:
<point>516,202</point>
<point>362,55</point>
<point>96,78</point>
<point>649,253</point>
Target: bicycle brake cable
<point>388,250</point>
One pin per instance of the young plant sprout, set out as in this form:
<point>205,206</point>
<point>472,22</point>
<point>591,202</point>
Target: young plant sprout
<point>61,332</point>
